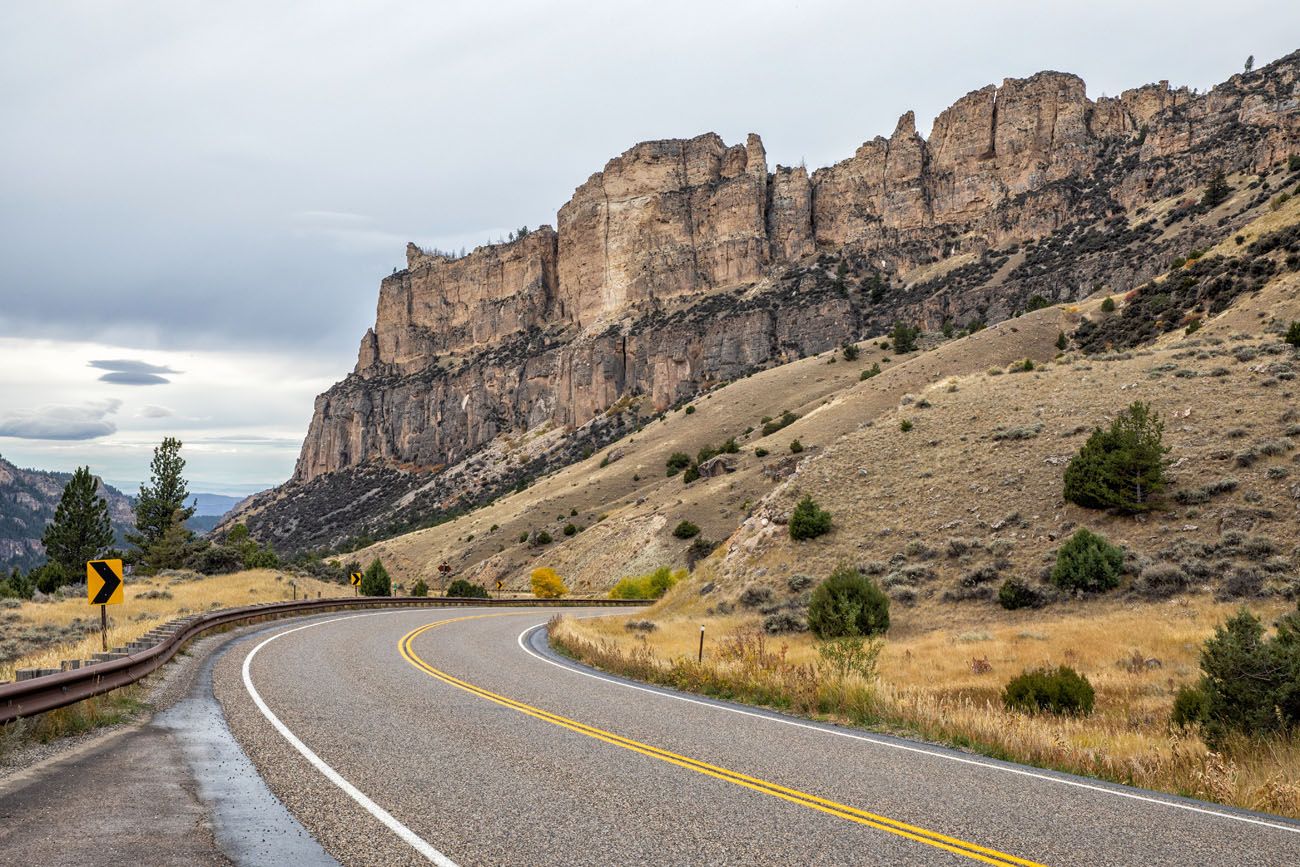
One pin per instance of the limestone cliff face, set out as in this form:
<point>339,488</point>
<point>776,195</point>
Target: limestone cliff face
<point>686,262</point>
<point>439,305</point>
<point>666,219</point>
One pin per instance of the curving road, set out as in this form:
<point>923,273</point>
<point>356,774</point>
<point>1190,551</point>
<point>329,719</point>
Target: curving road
<point>456,737</point>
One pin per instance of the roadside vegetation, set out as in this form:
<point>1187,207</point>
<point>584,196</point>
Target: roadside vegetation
<point>1199,701</point>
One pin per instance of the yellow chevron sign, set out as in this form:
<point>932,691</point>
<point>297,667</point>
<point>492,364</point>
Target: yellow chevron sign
<point>104,582</point>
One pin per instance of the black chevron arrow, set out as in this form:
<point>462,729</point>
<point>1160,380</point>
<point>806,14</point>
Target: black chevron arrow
<point>111,582</point>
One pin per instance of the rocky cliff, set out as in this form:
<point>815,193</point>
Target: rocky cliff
<point>684,263</point>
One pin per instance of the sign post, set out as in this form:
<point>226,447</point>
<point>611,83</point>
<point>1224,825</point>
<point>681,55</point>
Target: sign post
<point>444,570</point>
<point>355,579</point>
<point>104,588</point>
<point>500,586</point>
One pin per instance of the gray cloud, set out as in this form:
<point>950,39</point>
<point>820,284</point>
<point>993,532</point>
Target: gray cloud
<point>152,411</point>
<point>87,421</point>
<point>126,378</point>
<point>130,371</point>
<point>130,365</point>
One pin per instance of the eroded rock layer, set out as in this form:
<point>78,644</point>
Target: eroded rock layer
<point>684,263</point>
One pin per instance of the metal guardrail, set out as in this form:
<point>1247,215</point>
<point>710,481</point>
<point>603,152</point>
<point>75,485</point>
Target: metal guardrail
<point>26,698</point>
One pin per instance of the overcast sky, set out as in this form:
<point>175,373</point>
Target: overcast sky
<point>197,200</point>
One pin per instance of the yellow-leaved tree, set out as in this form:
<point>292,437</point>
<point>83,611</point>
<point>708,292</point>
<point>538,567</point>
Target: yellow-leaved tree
<point>547,584</point>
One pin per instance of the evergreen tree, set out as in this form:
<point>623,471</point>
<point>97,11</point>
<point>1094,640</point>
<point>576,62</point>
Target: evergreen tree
<point>375,580</point>
<point>80,529</point>
<point>173,548</point>
<point>1217,192</point>
<point>1250,63</point>
<point>163,497</point>
<point>904,337</point>
<point>1121,468</point>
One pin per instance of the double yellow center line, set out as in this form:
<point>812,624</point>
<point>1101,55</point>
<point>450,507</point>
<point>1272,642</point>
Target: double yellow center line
<point>794,796</point>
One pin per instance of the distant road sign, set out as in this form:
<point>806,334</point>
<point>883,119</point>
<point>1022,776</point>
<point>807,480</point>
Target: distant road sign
<point>444,568</point>
<point>500,584</point>
<point>104,582</point>
<point>355,579</point>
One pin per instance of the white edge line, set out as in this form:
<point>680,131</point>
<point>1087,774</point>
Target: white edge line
<point>1024,772</point>
<point>414,840</point>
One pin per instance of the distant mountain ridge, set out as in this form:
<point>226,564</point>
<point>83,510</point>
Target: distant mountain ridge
<point>28,499</point>
<point>212,505</point>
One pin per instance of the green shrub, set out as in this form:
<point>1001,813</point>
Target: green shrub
<point>541,537</point>
<point>261,558</point>
<point>1088,562</point>
<point>1250,682</point>
<point>1293,163</point>
<point>690,409</point>
<point>1061,691</point>
<point>49,577</point>
<point>761,452</point>
<point>692,473</point>
<point>847,604</point>
<point>1293,334</point>
<point>1015,593</point>
<point>1036,302</point>
<point>850,351</point>
<point>905,425</point>
<point>808,521</point>
<point>420,588</point>
<point>1061,341</point>
<point>904,338</point>
<point>867,374</point>
<point>1217,191</point>
<point>677,462</point>
<point>375,581</point>
<point>795,447</point>
<point>1193,326</point>
<point>1108,306</point>
<point>651,586</point>
<point>686,530</point>
<point>462,589</point>
<point>771,426</point>
<point>570,529</point>
<point>523,537</point>
<point>698,550</point>
<point>1121,468</point>
<point>1191,707</point>
<point>216,560</point>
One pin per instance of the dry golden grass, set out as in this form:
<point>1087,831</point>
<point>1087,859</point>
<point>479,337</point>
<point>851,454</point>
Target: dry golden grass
<point>931,684</point>
<point>138,614</point>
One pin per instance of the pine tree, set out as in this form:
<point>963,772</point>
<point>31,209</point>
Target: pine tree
<point>1217,192</point>
<point>172,549</point>
<point>375,580</point>
<point>163,497</point>
<point>1121,468</point>
<point>81,529</point>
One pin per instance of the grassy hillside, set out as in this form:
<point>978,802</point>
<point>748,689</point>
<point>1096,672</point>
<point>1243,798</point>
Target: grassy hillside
<point>981,465</point>
<point>38,634</point>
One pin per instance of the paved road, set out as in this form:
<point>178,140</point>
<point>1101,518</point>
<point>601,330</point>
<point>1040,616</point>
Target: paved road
<point>449,736</point>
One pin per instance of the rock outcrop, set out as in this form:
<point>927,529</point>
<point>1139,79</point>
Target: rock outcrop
<point>684,263</point>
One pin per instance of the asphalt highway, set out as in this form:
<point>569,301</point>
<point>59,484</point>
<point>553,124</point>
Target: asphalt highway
<point>455,737</point>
